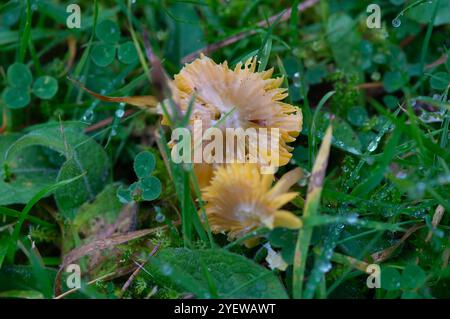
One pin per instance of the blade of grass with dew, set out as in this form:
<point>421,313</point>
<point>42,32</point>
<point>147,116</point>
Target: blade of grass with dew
<point>322,261</point>
<point>266,46</point>
<point>311,209</point>
<point>425,141</point>
<point>312,130</point>
<point>377,174</point>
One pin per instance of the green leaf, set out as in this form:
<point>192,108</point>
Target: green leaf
<point>390,278</point>
<point>232,275</point>
<point>184,36</point>
<point>108,31</point>
<point>105,210</point>
<point>357,115</point>
<point>344,40</point>
<point>394,81</point>
<point>151,188</point>
<point>28,172</point>
<point>285,239</point>
<point>144,164</point>
<point>440,80</point>
<point>124,194</point>
<point>103,54</point>
<point>83,156</point>
<point>45,87</point>
<point>127,53</point>
<point>413,277</point>
<point>16,98</point>
<point>344,137</point>
<point>26,210</point>
<point>19,75</point>
<point>390,101</point>
<point>424,12</point>
<point>23,278</point>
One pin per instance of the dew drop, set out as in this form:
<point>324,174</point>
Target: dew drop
<point>166,269</point>
<point>396,22</point>
<point>325,267</point>
<point>374,144</point>
<point>352,219</point>
<point>88,116</point>
<point>297,80</point>
<point>160,218</point>
<point>120,113</point>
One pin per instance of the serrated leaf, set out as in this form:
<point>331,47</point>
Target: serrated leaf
<point>45,87</point>
<point>232,275</point>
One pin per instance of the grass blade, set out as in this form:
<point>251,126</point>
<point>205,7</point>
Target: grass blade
<point>311,209</point>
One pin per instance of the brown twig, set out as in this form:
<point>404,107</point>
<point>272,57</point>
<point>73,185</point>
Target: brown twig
<point>384,254</point>
<point>438,214</point>
<point>136,272</point>
<point>370,86</point>
<point>438,62</point>
<point>235,38</point>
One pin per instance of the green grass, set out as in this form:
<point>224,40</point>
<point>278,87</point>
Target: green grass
<point>382,184</point>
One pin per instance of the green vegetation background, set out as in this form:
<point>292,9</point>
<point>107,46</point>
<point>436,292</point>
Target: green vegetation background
<point>84,181</point>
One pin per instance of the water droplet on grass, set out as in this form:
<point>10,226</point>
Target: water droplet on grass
<point>396,23</point>
<point>297,80</point>
<point>120,113</point>
<point>325,267</point>
<point>160,218</point>
<point>352,219</point>
<point>88,116</point>
<point>166,269</point>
